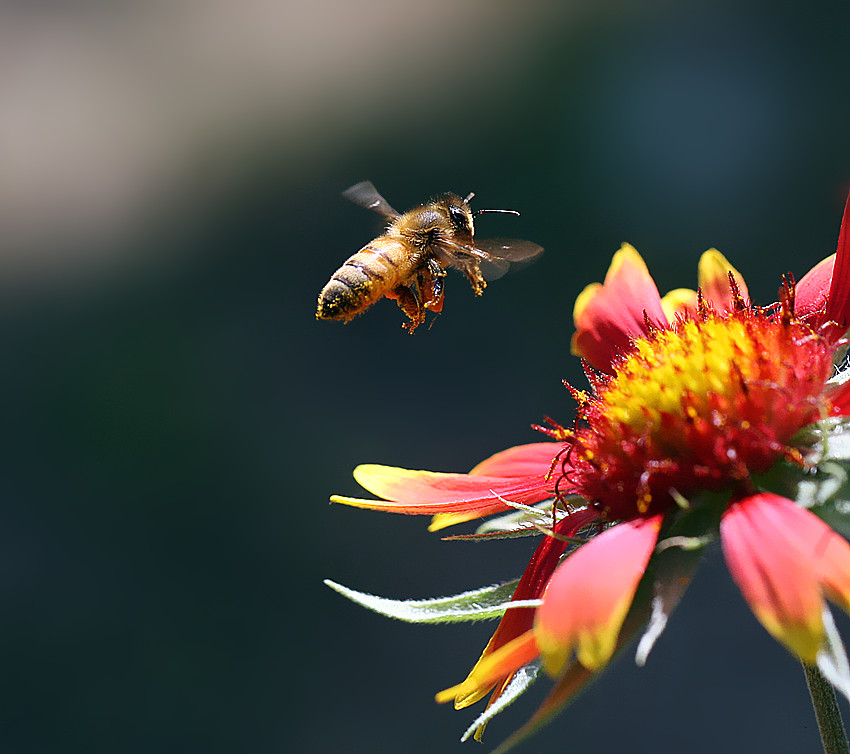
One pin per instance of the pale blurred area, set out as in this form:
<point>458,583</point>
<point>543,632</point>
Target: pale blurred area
<point>118,116</point>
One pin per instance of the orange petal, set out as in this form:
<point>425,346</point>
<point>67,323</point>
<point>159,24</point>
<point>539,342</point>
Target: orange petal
<point>587,598</point>
<point>608,316</point>
<point>778,582</point>
<point>713,275</point>
<point>504,662</point>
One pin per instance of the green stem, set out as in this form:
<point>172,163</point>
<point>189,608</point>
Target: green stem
<point>832,734</point>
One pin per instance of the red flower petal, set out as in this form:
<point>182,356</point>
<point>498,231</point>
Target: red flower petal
<point>821,547</point>
<point>608,316</point>
<point>431,492</point>
<point>523,460</point>
<point>587,598</point>
<point>812,293</point>
<point>838,305</point>
<point>777,580</point>
<point>520,461</point>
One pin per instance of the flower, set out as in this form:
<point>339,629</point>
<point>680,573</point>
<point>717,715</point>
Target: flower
<point>707,417</point>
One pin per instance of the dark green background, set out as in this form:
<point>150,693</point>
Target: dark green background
<point>171,438</point>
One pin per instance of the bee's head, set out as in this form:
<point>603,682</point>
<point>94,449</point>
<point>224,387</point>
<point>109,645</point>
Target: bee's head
<point>459,214</point>
<point>462,216</point>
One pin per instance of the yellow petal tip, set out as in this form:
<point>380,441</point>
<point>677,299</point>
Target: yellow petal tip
<point>448,695</point>
<point>354,502</point>
<point>444,520</point>
<point>584,298</point>
<point>679,300</point>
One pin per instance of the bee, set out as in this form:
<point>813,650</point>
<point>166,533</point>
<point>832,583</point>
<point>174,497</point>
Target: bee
<point>408,262</point>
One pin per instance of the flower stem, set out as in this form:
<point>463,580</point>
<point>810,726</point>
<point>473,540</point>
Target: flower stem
<point>832,734</point>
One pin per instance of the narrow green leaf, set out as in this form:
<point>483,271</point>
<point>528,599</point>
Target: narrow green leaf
<point>478,604</point>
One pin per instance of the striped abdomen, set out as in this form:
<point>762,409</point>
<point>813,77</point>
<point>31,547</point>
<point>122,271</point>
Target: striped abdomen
<point>375,270</point>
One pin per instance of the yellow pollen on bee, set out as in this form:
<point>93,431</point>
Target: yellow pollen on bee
<point>697,359</point>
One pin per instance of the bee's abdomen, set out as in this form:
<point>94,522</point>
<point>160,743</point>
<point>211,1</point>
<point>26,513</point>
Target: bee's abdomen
<point>366,276</point>
<point>346,294</point>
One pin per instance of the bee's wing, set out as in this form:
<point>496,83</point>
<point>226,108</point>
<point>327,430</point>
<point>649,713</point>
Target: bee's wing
<point>366,195</point>
<point>492,268</point>
<point>495,255</point>
<point>508,249</point>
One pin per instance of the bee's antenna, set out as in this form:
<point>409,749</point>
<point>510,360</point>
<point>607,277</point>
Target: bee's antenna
<point>500,211</point>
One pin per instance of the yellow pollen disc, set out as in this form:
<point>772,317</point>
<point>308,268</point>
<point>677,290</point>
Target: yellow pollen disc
<point>697,359</point>
<point>701,406</point>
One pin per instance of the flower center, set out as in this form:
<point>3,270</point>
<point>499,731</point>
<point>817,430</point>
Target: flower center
<point>700,406</point>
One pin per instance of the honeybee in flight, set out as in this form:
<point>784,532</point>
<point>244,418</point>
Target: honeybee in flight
<point>408,262</point>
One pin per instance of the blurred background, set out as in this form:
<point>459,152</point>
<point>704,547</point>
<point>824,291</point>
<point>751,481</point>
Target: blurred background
<point>175,418</point>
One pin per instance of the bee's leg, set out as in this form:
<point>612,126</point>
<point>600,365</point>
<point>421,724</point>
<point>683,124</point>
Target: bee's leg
<point>409,299</point>
<point>473,274</point>
<point>432,287</point>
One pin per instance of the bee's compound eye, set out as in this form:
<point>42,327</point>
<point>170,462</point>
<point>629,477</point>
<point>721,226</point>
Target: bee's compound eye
<point>458,217</point>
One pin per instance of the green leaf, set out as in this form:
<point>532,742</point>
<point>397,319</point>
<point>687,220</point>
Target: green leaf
<point>478,604</point>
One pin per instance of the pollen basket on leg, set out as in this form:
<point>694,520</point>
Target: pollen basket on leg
<point>699,406</point>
